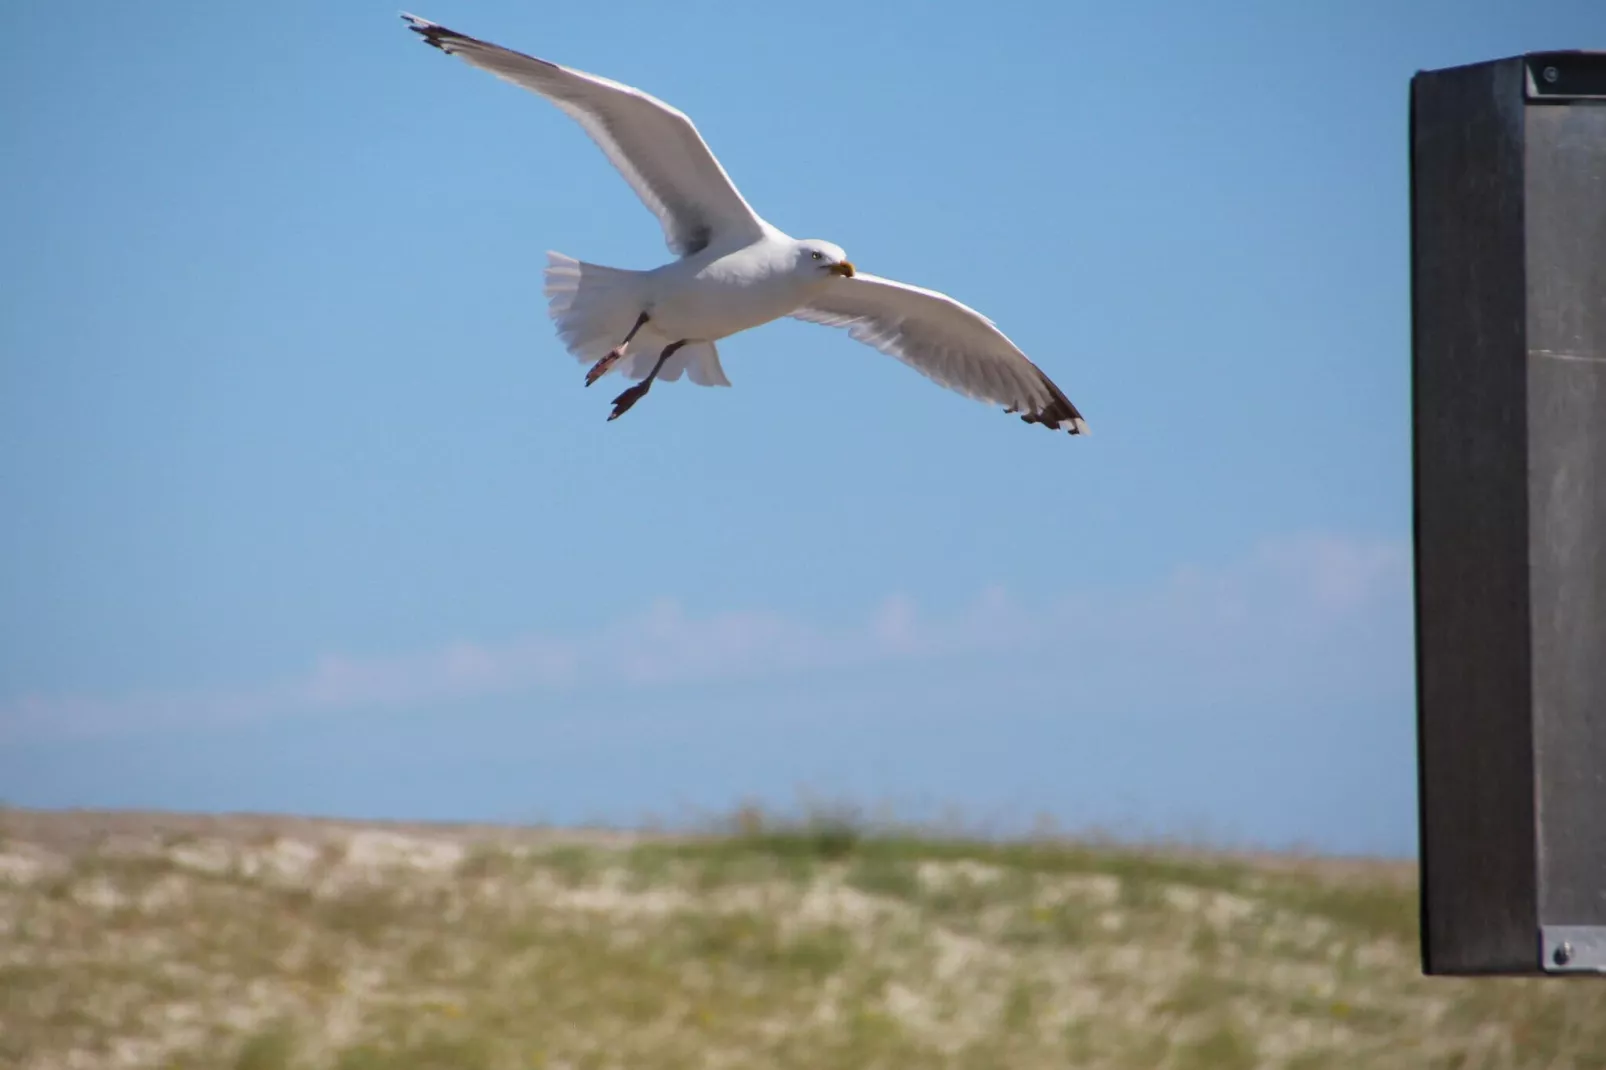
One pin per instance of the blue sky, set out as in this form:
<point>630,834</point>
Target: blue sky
<point>307,510</point>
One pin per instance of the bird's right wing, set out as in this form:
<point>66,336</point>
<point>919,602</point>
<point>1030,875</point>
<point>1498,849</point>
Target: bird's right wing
<point>945,341</point>
<point>653,145</point>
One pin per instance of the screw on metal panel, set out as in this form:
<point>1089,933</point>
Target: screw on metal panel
<point>1551,75</point>
<point>1563,954</point>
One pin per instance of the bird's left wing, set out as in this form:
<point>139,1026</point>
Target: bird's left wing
<point>656,147</point>
<point>948,342</point>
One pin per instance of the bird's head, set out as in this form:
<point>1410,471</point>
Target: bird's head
<point>823,258</point>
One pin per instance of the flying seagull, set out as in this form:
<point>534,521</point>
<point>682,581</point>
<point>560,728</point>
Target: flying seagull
<point>734,270</point>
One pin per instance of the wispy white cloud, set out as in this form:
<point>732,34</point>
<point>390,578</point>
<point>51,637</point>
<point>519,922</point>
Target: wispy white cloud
<point>1336,573</point>
<point>459,670</point>
<point>1298,586</point>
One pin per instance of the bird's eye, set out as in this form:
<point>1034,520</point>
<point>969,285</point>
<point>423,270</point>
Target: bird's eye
<point>818,255</point>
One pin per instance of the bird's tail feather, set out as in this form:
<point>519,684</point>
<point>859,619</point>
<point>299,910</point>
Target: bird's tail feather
<point>594,307</point>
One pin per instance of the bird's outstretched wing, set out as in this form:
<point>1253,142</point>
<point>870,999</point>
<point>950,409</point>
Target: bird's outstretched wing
<point>655,146</point>
<point>946,341</point>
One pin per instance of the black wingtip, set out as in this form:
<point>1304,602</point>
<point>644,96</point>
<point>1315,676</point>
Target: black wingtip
<point>1056,419</point>
<point>432,33</point>
<point>1059,414</point>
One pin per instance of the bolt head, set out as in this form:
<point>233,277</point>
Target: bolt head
<point>1563,954</point>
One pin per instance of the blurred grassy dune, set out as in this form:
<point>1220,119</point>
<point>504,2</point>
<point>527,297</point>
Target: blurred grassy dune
<point>261,943</point>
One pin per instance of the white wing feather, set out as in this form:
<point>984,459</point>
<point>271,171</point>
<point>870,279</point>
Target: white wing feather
<point>656,147</point>
<point>948,342</point>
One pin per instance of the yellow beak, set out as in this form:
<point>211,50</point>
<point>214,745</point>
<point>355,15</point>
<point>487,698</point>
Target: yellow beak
<point>845,269</point>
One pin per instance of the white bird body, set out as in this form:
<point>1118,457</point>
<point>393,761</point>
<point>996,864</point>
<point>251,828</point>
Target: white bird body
<point>734,271</point>
<point>713,294</point>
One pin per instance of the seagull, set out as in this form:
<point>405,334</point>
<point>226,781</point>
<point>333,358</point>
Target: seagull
<point>734,271</point>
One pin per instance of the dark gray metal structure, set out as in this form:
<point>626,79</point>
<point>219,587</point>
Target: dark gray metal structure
<point>1508,229</point>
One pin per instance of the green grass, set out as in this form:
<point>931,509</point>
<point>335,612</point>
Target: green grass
<point>273,1048</point>
<point>814,943</point>
<point>1226,1047</point>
